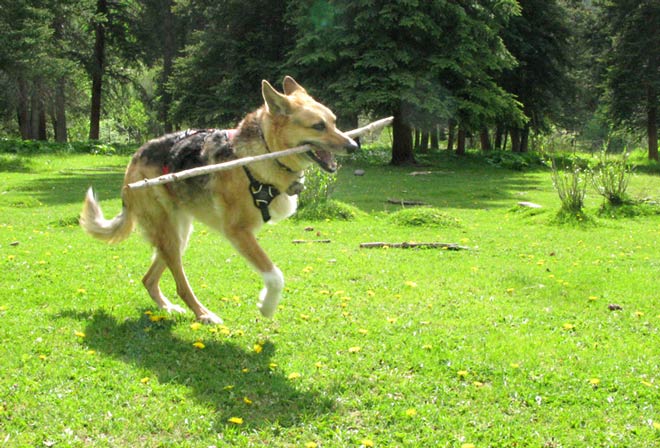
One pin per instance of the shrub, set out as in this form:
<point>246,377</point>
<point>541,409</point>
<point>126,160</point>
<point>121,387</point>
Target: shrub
<point>571,185</point>
<point>611,177</point>
<point>319,185</point>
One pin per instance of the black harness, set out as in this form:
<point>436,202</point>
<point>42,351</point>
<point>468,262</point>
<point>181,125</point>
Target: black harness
<point>262,194</point>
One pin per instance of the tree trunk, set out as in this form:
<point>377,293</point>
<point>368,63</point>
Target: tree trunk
<point>524,139</point>
<point>498,137</point>
<point>169,51</point>
<point>402,142</point>
<point>515,139</point>
<point>460,143</point>
<point>434,138</point>
<point>652,123</point>
<point>424,142</point>
<point>60,111</point>
<point>485,140</point>
<point>98,69</point>
<point>450,135</point>
<point>37,113</point>
<point>23,109</point>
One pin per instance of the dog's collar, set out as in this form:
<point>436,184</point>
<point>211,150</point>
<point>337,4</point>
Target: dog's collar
<point>262,194</point>
<point>277,161</point>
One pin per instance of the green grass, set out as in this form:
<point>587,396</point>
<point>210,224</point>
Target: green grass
<point>509,344</point>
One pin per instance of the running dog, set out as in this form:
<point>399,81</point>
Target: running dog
<point>235,202</point>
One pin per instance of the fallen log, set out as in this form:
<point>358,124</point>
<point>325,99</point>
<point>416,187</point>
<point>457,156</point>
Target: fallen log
<point>407,245</point>
<point>405,202</point>
<point>199,171</point>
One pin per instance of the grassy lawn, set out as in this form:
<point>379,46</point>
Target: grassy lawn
<point>541,335</point>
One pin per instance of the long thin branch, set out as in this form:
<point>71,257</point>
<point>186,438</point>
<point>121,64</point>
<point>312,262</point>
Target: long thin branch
<point>199,171</point>
<point>406,245</point>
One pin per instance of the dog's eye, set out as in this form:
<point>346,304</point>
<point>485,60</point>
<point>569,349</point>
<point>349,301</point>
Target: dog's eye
<point>320,126</point>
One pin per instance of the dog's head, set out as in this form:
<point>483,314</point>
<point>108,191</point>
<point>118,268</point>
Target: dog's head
<point>294,118</point>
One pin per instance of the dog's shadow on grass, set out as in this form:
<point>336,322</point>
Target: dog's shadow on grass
<point>222,373</point>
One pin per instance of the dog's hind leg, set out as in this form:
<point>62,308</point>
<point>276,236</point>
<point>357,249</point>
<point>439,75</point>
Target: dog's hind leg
<point>170,237</point>
<point>245,242</point>
<point>151,282</point>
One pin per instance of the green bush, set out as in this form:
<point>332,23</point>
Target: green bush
<point>571,185</point>
<point>611,177</point>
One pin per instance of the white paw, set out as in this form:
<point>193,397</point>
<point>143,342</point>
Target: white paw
<point>270,296</point>
<point>268,302</point>
<point>171,308</point>
<point>209,318</point>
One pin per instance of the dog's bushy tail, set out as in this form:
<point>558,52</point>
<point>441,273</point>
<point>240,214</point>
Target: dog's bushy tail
<point>113,230</point>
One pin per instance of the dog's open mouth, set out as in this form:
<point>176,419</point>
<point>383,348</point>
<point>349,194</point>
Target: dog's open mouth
<point>325,159</point>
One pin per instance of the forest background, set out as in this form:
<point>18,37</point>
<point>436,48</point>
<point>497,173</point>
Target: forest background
<point>501,74</point>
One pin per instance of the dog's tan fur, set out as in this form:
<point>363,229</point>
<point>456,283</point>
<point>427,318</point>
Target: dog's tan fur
<point>224,202</point>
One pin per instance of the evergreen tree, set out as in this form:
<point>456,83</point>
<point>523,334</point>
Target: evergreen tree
<point>417,60</point>
<point>216,80</point>
<point>538,39</point>
<point>633,78</point>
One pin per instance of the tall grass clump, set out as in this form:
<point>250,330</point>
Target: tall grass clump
<point>570,183</point>
<point>314,201</point>
<point>611,177</point>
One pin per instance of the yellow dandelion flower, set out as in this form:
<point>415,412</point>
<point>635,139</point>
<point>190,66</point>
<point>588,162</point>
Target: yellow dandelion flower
<point>319,365</point>
<point>462,373</point>
<point>293,376</point>
<point>195,326</point>
<point>515,365</point>
<point>510,290</point>
<point>478,384</point>
<point>148,313</point>
<point>272,366</point>
<point>391,320</point>
<point>568,327</point>
<point>258,348</point>
<point>354,349</point>
<point>91,352</point>
<point>639,313</point>
<point>304,316</point>
<point>3,308</point>
<point>592,298</point>
<point>236,420</point>
<point>144,380</point>
<point>245,370</point>
<point>468,445</point>
<point>656,425</point>
<point>594,381</point>
<point>43,357</point>
<point>367,443</point>
<point>157,318</point>
<point>411,412</point>
<point>427,346</point>
<point>311,445</point>
<point>11,257</point>
<point>224,330</point>
<point>80,334</point>
<point>247,401</point>
<point>81,291</point>
<point>307,269</point>
<point>363,331</point>
<point>199,344</point>
<point>228,387</point>
<point>370,293</point>
<point>411,284</point>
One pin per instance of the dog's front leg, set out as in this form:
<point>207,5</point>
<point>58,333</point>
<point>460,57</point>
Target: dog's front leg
<point>245,242</point>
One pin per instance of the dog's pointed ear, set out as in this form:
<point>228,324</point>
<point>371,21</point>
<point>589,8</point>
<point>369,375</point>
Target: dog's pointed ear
<point>276,103</point>
<point>290,85</point>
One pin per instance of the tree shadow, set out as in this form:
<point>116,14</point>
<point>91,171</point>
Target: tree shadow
<point>14,164</point>
<point>221,373</point>
<point>70,187</point>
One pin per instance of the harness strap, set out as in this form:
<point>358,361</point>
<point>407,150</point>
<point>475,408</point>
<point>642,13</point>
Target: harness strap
<point>262,194</point>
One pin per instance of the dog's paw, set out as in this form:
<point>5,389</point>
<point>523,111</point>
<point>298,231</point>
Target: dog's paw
<point>171,308</point>
<point>268,302</point>
<point>209,318</point>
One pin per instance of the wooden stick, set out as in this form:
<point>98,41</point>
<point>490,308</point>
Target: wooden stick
<point>199,171</point>
<point>311,241</point>
<point>406,245</point>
